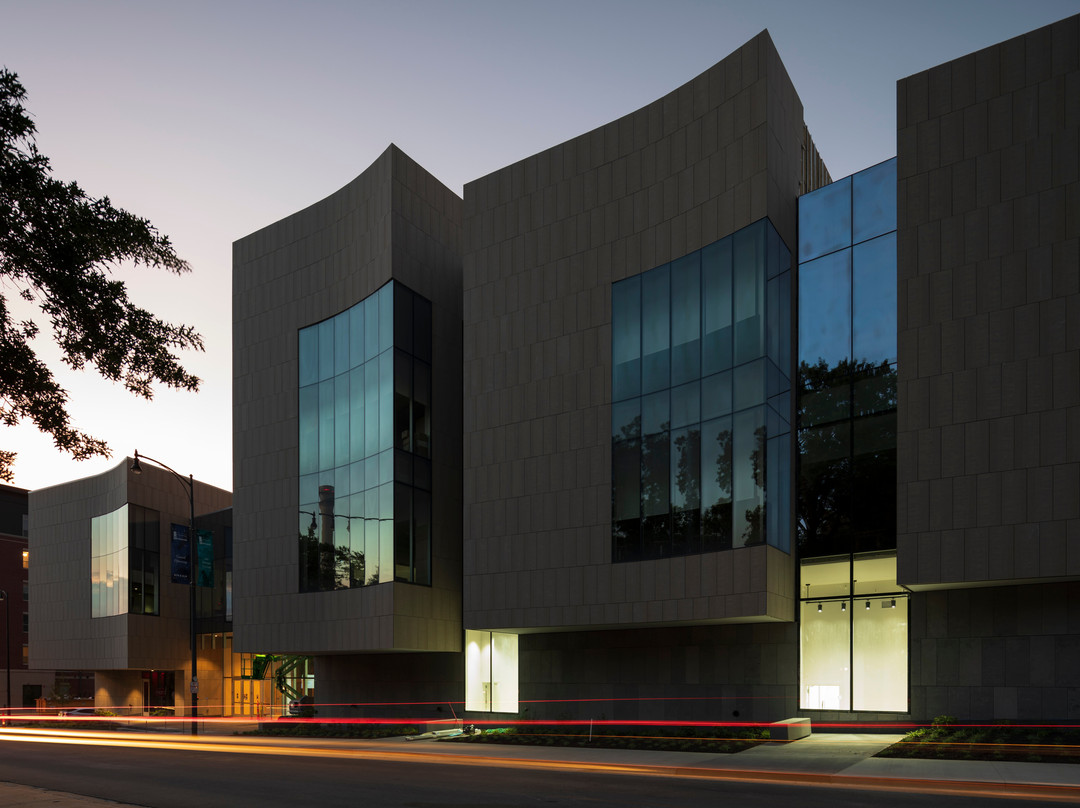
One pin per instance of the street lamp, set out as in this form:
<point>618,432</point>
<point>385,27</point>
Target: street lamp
<point>7,642</point>
<point>189,482</point>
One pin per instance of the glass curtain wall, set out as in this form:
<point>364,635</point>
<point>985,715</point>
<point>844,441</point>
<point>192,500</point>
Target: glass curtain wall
<point>108,563</point>
<point>846,409</point>
<point>125,562</point>
<point>701,368</point>
<point>213,595</point>
<point>365,444</point>
<point>144,537</point>
<point>853,633</point>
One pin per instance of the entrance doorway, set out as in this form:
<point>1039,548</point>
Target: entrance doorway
<point>252,697</point>
<point>159,690</point>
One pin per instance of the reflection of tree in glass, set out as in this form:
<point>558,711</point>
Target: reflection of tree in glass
<point>656,492</point>
<point>686,509</point>
<point>755,517</point>
<point>653,483</point>
<point>349,566</point>
<point>847,466</point>
<point>313,571</point>
<point>716,515</point>
<point>626,451</point>
<point>325,567</point>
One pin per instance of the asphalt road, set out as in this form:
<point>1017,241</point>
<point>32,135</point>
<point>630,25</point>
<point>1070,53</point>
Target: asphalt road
<point>183,779</point>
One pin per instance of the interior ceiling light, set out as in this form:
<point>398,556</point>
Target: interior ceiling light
<point>867,604</point>
<point>819,608</point>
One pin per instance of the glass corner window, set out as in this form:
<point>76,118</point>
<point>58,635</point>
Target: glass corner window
<point>701,355</point>
<point>124,552</point>
<point>365,444</point>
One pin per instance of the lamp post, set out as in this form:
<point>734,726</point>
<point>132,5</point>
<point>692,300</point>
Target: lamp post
<point>189,482</point>
<point>7,643</point>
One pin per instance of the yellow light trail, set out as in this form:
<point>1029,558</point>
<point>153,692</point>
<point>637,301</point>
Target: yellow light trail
<point>1052,793</point>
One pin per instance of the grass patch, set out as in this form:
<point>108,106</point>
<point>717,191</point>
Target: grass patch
<point>946,740</point>
<point>723,740</point>
<point>296,729</point>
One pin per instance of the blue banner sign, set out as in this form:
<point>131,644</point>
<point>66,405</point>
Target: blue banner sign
<point>181,555</point>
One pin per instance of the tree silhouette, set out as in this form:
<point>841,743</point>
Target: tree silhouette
<point>325,567</point>
<point>656,493</point>
<point>716,517</point>
<point>686,512</point>
<point>754,532</point>
<point>56,247</point>
<point>626,528</point>
<point>678,514</point>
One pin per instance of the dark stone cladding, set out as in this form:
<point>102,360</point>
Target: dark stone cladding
<point>393,221</point>
<point>988,445</point>
<point>988,246</point>
<point>65,635</point>
<point>544,240</point>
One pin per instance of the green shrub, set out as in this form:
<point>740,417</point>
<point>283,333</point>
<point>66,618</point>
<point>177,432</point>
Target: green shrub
<point>687,739</point>
<point>297,729</point>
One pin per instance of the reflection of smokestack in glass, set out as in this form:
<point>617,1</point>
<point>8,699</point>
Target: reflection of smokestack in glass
<point>326,510</point>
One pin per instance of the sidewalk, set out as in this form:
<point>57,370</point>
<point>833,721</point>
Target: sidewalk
<point>821,759</point>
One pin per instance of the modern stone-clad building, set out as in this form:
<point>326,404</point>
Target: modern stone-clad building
<point>732,437</point>
<point>618,288</point>
<point>661,422</point>
<point>347,411</point>
<point>988,259</point>
<point>104,597</point>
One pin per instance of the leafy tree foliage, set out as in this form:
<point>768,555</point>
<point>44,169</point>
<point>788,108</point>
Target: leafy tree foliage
<point>57,246</point>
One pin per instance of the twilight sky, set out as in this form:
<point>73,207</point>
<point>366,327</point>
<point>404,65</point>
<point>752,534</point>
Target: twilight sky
<point>214,119</point>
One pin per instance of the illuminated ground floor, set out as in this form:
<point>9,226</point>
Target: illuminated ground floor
<point>230,683</point>
<point>861,650</point>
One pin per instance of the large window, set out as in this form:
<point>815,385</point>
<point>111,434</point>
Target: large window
<point>124,562</point>
<point>491,671</point>
<point>365,444</point>
<point>847,365</point>
<point>853,617</point>
<point>213,566</point>
<point>108,563</point>
<point>144,537</point>
<point>853,634</point>
<point>700,436</point>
